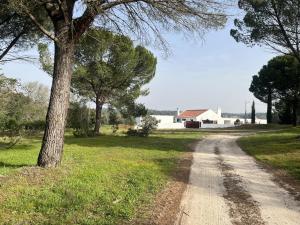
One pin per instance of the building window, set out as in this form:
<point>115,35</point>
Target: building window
<point>207,121</point>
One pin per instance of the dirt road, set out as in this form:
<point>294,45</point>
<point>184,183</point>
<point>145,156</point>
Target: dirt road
<point>228,187</point>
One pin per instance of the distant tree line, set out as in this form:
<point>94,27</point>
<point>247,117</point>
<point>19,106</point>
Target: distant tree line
<point>258,115</point>
<point>162,112</point>
<point>23,107</point>
<point>82,118</point>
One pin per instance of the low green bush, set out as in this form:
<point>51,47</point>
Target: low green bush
<point>148,124</point>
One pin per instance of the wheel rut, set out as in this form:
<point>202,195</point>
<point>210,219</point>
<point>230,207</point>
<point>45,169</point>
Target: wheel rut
<point>226,186</point>
<point>243,209</point>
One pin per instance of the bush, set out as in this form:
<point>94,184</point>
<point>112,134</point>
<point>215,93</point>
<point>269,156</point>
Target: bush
<point>132,132</point>
<point>80,119</point>
<point>13,126</point>
<point>37,125</point>
<point>148,124</point>
<point>79,132</point>
<point>237,122</point>
<point>114,119</point>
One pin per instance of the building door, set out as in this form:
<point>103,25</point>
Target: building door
<point>192,124</point>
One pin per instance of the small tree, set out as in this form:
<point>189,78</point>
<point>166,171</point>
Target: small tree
<point>15,109</point>
<point>131,110</point>
<point>253,113</point>
<point>111,71</point>
<point>38,94</point>
<point>147,125</point>
<point>262,87</point>
<point>114,119</point>
<point>79,118</point>
<point>12,103</point>
<point>237,122</point>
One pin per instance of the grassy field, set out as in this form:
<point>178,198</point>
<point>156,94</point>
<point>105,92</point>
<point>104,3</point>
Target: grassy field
<point>102,180</point>
<point>280,149</point>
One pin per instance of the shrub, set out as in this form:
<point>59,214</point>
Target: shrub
<point>114,119</point>
<point>37,125</point>
<point>132,132</point>
<point>147,125</point>
<point>80,132</point>
<point>237,122</point>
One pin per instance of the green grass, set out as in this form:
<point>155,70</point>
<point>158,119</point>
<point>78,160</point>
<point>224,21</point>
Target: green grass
<point>272,126</point>
<point>102,180</point>
<point>280,149</point>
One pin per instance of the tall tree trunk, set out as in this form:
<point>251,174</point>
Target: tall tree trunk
<point>99,106</point>
<point>269,108</point>
<point>53,140</point>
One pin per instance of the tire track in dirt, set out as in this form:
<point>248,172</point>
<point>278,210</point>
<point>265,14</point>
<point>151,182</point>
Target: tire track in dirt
<point>243,209</point>
<point>203,202</point>
<point>226,186</point>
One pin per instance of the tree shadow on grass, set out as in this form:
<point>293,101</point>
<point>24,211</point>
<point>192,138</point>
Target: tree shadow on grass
<point>6,147</point>
<point>148,143</point>
<point>13,166</point>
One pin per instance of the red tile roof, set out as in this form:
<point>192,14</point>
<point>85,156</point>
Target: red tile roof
<point>191,113</point>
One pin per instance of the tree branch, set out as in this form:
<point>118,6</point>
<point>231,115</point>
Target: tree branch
<point>12,43</point>
<point>81,24</point>
<point>40,26</point>
<point>289,44</point>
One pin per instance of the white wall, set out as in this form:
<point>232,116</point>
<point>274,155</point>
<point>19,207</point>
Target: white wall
<point>257,121</point>
<point>164,118</point>
<point>216,125</point>
<point>170,126</point>
<point>167,122</point>
<point>261,121</point>
<point>210,115</point>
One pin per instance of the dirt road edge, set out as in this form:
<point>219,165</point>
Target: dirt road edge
<point>166,206</point>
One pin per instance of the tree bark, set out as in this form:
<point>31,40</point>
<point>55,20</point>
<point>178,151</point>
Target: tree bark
<point>269,108</point>
<point>99,106</point>
<point>53,140</point>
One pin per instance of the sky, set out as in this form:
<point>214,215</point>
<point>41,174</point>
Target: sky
<point>198,74</point>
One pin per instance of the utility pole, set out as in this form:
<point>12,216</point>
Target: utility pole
<point>246,102</point>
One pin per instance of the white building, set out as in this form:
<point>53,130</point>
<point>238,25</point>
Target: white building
<point>197,118</point>
<point>206,116</point>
